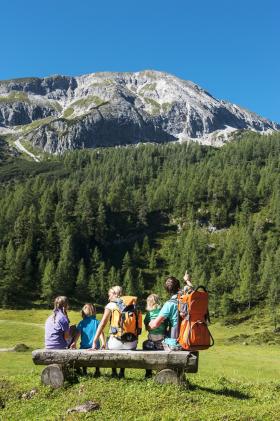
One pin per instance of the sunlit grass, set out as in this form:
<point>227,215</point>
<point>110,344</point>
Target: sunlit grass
<point>234,382</point>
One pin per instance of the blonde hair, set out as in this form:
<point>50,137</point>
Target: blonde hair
<point>88,310</point>
<point>153,302</point>
<point>60,303</point>
<point>116,290</point>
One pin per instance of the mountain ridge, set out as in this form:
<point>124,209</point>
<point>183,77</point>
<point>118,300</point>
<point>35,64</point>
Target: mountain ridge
<point>60,113</point>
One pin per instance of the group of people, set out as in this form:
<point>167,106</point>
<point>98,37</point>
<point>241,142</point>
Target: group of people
<point>161,323</point>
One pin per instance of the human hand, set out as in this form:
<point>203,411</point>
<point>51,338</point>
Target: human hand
<point>94,346</point>
<point>187,278</point>
<point>73,345</point>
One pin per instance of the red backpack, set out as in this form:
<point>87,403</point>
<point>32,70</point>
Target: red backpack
<point>194,334</point>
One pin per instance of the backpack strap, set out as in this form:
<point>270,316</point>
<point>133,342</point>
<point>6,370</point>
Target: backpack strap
<point>174,331</point>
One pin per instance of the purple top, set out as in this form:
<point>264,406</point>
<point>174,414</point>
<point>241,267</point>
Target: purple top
<point>55,329</point>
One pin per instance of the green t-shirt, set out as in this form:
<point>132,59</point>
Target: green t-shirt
<point>151,315</point>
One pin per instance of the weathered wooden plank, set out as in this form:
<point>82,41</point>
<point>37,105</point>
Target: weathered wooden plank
<point>154,360</point>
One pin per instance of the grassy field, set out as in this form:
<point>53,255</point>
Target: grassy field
<point>238,379</point>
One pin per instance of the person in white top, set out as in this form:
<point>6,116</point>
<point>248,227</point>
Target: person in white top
<point>113,343</point>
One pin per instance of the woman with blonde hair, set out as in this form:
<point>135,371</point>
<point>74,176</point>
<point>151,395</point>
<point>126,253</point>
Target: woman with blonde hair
<point>57,329</point>
<point>114,294</point>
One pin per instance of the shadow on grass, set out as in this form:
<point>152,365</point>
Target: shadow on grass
<point>225,391</point>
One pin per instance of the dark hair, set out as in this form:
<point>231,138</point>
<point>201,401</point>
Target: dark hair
<point>172,285</point>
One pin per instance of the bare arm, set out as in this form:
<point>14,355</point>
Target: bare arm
<point>103,340</point>
<point>104,320</point>
<point>156,322</point>
<point>74,344</point>
<point>67,335</point>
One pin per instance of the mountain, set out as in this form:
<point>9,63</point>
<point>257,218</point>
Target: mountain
<point>60,113</point>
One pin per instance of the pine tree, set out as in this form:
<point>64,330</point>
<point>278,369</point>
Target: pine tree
<point>2,275</point>
<point>112,277</point>
<point>64,279</point>
<point>225,304</point>
<point>93,288</point>
<point>101,276</point>
<point>101,227</point>
<point>95,260</point>
<point>140,285</point>
<point>136,254</point>
<point>9,281</point>
<point>128,283</point>
<point>248,273</point>
<point>145,248</point>
<point>152,260</point>
<point>48,282</point>
<point>126,263</point>
<point>81,289</point>
<point>274,301</point>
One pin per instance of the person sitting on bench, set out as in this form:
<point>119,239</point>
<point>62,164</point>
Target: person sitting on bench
<point>57,329</point>
<point>113,342</point>
<point>169,313</point>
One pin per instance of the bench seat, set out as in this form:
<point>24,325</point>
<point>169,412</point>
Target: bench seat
<point>173,363</point>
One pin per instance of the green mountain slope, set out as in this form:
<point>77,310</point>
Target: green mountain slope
<point>132,215</point>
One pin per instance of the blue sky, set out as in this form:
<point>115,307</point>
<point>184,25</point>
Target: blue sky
<point>229,47</point>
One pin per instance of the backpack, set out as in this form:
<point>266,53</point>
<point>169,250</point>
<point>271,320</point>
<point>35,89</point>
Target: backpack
<point>194,334</point>
<point>126,319</point>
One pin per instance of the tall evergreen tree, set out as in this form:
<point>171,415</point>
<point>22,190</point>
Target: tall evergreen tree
<point>48,290</point>
<point>81,289</point>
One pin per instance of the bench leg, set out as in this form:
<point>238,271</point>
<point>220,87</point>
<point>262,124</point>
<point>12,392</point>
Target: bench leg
<point>168,376</point>
<point>53,375</point>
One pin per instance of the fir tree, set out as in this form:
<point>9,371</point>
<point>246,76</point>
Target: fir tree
<point>81,290</point>
<point>48,282</point>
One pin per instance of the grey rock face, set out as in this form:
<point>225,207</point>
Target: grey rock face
<point>106,109</point>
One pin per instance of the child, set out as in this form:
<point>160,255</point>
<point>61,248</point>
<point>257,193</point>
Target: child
<point>155,336</point>
<point>57,329</point>
<point>87,328</point>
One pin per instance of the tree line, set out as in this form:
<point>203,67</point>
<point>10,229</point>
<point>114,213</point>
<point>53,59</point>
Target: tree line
<point>136,214</point>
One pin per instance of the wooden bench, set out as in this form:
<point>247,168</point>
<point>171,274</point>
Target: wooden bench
<point>170,365</point>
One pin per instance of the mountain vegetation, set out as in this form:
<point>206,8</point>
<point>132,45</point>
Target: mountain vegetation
<point>78,223</point>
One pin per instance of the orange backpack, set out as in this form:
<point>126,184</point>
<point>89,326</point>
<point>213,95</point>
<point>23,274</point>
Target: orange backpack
<point>194,334</point>
<point>126,319</point>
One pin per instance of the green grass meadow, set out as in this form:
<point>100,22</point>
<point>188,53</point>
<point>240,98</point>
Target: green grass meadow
<point>237,380</point>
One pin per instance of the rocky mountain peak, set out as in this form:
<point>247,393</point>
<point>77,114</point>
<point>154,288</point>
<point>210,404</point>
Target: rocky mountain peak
<point>59,113</point>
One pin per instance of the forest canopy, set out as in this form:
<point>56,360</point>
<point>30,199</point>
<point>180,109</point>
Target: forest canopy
<point>92,218</point>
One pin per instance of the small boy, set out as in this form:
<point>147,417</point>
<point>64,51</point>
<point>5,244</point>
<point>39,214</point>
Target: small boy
<point>155,336</point>
<point>87,328</point>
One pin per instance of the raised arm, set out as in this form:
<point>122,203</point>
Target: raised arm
<point>104,320</point>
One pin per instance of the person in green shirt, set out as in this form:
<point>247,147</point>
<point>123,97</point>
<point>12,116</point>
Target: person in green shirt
<point>153,308</point>
<point>169,313</point>
<point>156,335</point>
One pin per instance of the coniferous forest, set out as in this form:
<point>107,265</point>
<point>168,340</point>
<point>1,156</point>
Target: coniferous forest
<point>79,223</point>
